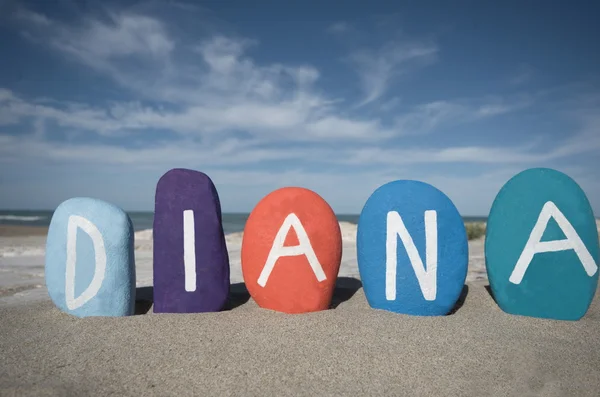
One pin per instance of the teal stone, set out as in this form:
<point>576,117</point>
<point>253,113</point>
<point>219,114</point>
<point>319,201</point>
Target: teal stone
<point>90,266</point>
<point>541,247</point>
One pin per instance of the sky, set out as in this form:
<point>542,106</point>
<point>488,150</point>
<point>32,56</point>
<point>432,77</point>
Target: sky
<point>99,99</point>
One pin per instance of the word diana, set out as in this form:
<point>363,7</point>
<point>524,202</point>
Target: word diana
<point>541,250</point>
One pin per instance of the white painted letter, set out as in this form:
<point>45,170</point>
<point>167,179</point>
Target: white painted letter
<point>189,250</point>
<point>535,245</point>
<point>427,278</point>
<point>75,222</point>
<point>303,248</point>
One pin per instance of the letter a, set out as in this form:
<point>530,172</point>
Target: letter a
<point>75,222</point>
<point>427,278</point>
<point>303,248</point>
<point>535,245</point>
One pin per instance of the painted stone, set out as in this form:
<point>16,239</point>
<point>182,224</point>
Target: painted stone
<point>412,249</point>
<point>191,263</point>
<point>90,264</point>
<point>291,251</point>
<point>541,247</point>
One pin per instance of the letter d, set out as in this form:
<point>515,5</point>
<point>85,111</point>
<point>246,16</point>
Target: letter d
<point>88,227</point>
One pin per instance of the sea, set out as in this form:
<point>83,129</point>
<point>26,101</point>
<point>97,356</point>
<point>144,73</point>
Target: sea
<point>232,222</point>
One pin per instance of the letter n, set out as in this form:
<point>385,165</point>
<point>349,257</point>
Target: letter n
<point>427,278</point>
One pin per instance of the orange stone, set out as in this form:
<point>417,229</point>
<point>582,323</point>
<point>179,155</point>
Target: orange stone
<point>291,251</point>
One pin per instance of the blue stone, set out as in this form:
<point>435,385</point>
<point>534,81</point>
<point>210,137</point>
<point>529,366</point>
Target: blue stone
<point>555,280</point>
<point>401,208</point>
<point>90,265</point>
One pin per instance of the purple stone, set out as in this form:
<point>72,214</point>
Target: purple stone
<point>191,264</point>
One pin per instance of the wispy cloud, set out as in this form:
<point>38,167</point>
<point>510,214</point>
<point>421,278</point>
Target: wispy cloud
<point>96,42</point>
<point>428,117</point>
<point>523,74</point>
<point>380,64</point>
<point>231,151</point>
<point>228,92</point>
<point>32,17</point>
<point>339,27</point>
<point>378,69</point>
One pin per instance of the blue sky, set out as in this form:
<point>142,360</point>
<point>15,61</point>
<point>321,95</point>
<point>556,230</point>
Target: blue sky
<point>100,99</point>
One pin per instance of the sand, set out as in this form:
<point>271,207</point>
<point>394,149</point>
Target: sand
<point>17,231</point>
<point>350,349</point>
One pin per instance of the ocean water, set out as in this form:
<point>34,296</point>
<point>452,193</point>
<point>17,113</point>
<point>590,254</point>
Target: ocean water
<point>232,222</point>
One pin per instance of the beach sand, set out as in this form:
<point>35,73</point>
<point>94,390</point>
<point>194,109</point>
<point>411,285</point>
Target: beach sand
<point>17,231</point>
<point>350,349</point>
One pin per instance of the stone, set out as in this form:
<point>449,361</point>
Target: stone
<point>90,263</point>
<point>541,247</point>
<point>412,249</point>
<point>191,263</point>
<point>291,251</point>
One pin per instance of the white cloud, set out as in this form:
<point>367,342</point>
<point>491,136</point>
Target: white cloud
<point>449,155</point>
<point>95,41</point>
<point>13,109</point>
<point>228,91</point>
<point>222,53</point>
<point>341,128</point>
<point>255,151</point>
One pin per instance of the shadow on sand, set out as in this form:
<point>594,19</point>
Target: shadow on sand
<point>238,295</point>
<point>489,291</point>
<point>461,300</point>
<point>345,288</point>
<point>144,298</point>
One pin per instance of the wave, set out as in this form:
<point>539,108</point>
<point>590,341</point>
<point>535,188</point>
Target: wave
<point>143,235</point>
<point>21,218</point>
<point>14,251</point>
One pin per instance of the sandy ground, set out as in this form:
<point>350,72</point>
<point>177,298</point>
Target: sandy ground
<point>350,349</point>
